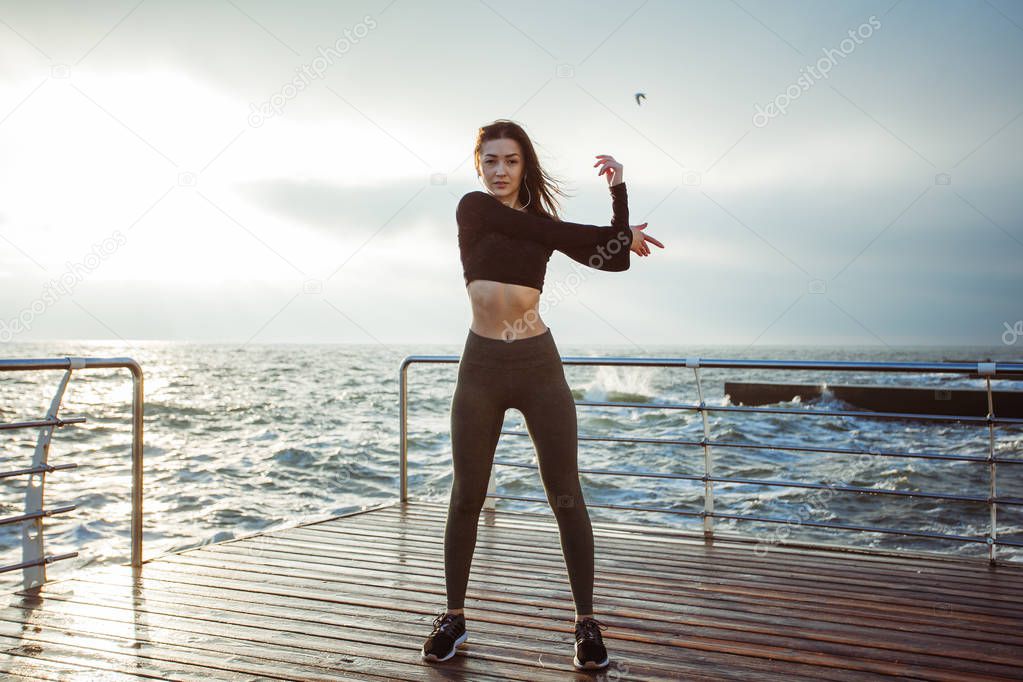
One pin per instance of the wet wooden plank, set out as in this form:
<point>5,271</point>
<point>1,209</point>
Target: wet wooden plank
<point>27,667</point>
<point>498,663</point>
<point>194,641</point>
<point>353,597</point>
<point>95,646</point>
<point>505,639</point>
<point>690,566</point>
<point>492,574</point>
<point>1002,585</point>
<point>864,643</point>
<point>972,652</point>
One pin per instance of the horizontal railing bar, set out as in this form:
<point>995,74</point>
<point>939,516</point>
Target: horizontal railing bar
<point>969,368</point>
<point>36,423</point>
<point>871,414</point>
<point>48,559</point>
<point>869,529</point>
<point>770,519</point>
<point>784,484</point>
<point>865,414</point>
<point>791,448</point>
<point>1013,368</point>
<point>38,514</point>
<point>854,451</point>
<point>874,491</point>
<point>31,364</point>
<point>48,468</point>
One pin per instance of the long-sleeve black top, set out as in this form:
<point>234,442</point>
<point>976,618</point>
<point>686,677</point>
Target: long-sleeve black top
<point>504,244</point>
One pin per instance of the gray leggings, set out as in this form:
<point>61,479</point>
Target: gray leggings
<point>527,375</point>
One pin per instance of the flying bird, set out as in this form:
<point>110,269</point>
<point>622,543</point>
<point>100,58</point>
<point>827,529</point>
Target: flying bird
<point>638,96</point>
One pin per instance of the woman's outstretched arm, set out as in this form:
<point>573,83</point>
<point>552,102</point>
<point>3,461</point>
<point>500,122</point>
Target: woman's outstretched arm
<point>484,212</point>
<point>616,262</point>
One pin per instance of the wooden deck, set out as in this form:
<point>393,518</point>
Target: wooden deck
<point>353,598</point>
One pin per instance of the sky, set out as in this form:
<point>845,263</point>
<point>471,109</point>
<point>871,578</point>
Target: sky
<point>820,173</point>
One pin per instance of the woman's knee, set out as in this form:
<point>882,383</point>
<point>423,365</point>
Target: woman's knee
<point>466,502</point>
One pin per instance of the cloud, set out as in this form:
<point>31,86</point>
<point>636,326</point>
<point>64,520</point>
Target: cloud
<point>332,207</point>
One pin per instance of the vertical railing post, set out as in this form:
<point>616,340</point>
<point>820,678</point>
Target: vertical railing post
<point>403,428</point>
<point>708,462</point>
<point>137,440</point>
<point>490,501</point>
<point>986,369</point>
<point>32,537</point>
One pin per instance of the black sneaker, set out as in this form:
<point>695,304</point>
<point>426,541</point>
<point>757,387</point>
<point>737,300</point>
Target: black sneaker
<point>448,632</point>
<point>589,645</point>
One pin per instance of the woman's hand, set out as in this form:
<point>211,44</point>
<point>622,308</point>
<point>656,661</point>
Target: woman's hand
<point>615,175</point>
<point>640,239</point>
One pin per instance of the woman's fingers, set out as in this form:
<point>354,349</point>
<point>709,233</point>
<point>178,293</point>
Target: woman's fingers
<point>642,249</point>
<point>648,238</point>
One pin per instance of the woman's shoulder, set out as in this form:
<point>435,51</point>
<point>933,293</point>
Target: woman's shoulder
<point>475,196</point>
<point>471,204</point>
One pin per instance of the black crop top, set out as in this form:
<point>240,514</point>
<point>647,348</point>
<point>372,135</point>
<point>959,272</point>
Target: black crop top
<point>504,244</point>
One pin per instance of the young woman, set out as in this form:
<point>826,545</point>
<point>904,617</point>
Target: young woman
<point>506,235</point>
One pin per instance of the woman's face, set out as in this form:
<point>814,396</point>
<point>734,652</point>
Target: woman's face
<point>502,165</point>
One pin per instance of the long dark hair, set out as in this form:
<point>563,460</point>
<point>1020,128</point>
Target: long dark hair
<point>538,187</point>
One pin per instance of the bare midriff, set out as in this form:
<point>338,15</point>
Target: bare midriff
<point>504,311</point>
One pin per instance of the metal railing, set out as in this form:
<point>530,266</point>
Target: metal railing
<point>34,558</point>
<point>986,370</point>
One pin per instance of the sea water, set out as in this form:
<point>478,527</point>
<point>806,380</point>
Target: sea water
<point>246,437</point>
